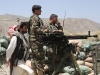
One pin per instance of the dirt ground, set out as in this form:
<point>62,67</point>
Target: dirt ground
<point>4,70</point>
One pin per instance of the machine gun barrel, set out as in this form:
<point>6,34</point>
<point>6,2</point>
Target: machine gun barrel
<point>58,37</point>
<point>80,36</point>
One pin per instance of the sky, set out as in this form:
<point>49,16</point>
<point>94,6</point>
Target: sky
<point>74,8</point>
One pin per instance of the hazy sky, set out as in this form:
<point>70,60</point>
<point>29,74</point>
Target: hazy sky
<point>74,8</point>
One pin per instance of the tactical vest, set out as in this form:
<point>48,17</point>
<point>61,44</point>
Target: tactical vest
<point>18,52</point>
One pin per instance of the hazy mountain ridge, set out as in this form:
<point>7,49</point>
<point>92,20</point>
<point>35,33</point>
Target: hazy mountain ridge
<point>76,25</point>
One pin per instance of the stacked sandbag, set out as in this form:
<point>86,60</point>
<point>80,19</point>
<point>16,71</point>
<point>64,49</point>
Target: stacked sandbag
<point>4,42</point>
<point>69,70</point>
<point>2,50</point>
<point>89,62</point>
<point>84,69</point>
<point>78,42</point>
<point>80,62</point>
<point>92,73</point>
<point>84,56</point>
<point>81,57</point>
<point>86,46</point>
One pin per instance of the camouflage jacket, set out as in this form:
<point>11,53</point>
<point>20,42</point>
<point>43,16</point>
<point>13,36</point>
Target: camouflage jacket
<point>52,27</point>
<point>36,28</point>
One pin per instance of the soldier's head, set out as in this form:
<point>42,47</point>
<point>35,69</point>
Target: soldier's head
<point>36,9</point>
<point>22,27</point>
<point>53,18</point>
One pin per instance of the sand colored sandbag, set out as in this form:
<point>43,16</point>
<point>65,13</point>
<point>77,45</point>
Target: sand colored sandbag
<point>76,41</point>
<point>28,63</point>
<point>90,65</point>
<point>80,62</point>
<point>92,73</point>
<point>89,59</point>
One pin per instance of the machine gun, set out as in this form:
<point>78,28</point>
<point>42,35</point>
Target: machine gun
<point>59,38</point>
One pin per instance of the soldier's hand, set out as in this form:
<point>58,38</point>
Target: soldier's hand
<point>58,23</point>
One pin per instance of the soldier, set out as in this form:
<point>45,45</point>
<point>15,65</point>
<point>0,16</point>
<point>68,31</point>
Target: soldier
<point>54,24</point>
<point>55,52</point>
<point>36,28</point>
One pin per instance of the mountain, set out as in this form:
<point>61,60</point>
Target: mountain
<point>71,25</point>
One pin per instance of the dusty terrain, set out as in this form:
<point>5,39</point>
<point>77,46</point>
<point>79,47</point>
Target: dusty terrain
<point>3,67</point>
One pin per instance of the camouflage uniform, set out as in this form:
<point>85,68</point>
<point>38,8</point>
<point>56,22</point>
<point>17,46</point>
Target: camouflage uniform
<point>52,27</point>
<point>36,28</point>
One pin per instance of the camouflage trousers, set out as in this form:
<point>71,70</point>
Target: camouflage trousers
<point>37,59</point>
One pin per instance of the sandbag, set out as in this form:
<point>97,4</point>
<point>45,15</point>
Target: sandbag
<point>2,51</point>
<point>92,73</point>
<point>86,46</point>
<point>76,41</point>
<point>81,55</point>
<point>89,54</point>
<point>80,62</point>
<point>7,38</point>
<point>28,63</point>
<point>84,69</point>
<point>90,65</point>
<point>69,70</point>
<point>89,59</point>
<point>4,43</point>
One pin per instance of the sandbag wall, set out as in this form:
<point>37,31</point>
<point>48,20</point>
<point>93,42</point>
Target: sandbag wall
<point>4,42</point>
<point>85,58</point>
